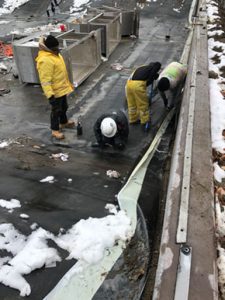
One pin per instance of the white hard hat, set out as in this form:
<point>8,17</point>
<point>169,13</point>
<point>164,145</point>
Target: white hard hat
<point>108,127</point>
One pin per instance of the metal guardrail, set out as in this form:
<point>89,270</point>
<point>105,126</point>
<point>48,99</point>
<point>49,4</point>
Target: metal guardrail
<point>185,188</point>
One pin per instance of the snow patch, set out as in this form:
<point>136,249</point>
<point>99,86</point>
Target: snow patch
<point>113,174</point>
<point>219,174</point>
<point>78,4</point>
<point>49,179</point>
<point>4,144</point>
<point>82,242</point>
<point>62,156</point>
<point>10,5</point>
<point>24,216</point>
<point>10,204</point>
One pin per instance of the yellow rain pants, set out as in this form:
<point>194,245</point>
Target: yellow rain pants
<point>137,101</point>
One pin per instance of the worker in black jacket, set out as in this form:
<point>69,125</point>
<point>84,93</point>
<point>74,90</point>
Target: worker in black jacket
<point>111,129</point>
<point>136,93</point>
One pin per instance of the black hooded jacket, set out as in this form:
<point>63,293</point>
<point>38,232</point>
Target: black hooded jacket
<point>122,129</point>
<point>148,73</point>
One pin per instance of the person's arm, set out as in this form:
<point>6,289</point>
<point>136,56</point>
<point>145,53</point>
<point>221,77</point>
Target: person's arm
<point>163,96</point>
<point>122,125</point>
<point>97,131</point>
<point>122,130</point>
<point>45,70</point>
<point>151,79</point>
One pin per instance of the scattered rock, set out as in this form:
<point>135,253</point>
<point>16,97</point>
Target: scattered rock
<point>36,147</point>
<point>213,75</point>
<point>223,132</point>
<point>221,195</point>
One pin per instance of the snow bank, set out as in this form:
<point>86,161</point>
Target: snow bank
<point>87,241</point>
<point>34,255</point>
<point>10,5</point>
<point>77,4</point>
<point>216,50</point>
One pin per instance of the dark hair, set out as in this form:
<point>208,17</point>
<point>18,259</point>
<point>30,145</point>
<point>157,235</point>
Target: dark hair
<point>51,42</point>
<point>163,84</point>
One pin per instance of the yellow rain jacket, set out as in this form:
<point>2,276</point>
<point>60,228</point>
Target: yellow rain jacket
<point>53,73</point>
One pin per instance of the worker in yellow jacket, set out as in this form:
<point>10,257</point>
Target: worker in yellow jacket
<point>136,93</point>
<point>55,83</point>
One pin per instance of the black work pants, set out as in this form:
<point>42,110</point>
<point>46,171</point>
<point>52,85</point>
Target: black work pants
<point>58,113</point>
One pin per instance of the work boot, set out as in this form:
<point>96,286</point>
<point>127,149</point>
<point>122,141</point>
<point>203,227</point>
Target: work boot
<point>58,135</point>
<point>69,124</point>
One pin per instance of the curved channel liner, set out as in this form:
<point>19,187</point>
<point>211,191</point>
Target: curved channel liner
<point>127,278</point>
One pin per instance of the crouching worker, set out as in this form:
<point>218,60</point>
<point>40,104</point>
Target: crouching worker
<point>55,83</point>
<point>136,93</point>
<point>169,81</point>
<point>111,129</point>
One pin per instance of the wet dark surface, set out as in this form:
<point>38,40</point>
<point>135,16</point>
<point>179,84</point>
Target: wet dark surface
<point>25,113</point>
